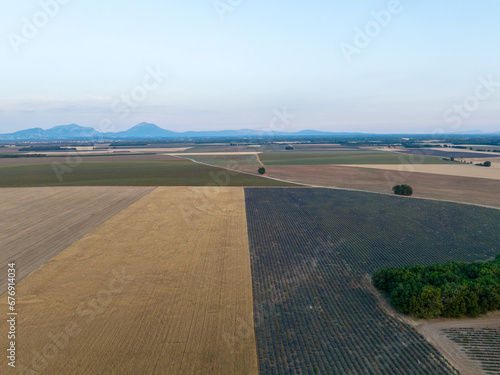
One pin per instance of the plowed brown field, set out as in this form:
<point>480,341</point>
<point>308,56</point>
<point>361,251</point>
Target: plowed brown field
<point>480,191</point>
<point>151,291</point>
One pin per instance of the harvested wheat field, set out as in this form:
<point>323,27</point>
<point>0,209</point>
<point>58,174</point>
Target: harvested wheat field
<point>164,287</point>
<point>37,224</point>
<point>458,169</point>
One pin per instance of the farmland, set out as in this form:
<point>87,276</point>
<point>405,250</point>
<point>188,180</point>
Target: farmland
<point>458,154</point>
<point>472,344</point>
<point>37,224</point>
<point>219,279</point>
<point>480,191</point>
<point>131,173</point>
<point>481,345</point>
<point>151,291</point>
<point>345,157</point>
<point>226,161</point>
<point>311,251</point>
<point>458,169</point>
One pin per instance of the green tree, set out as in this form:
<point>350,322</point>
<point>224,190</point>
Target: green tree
<point>406,190</point>
<point>430,303</point>
<point>487,164</point>
<point>261,170</point>
<point>454,304</point>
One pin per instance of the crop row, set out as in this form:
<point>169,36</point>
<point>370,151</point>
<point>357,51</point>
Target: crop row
<point>311,250</point>
<point>480,344</point>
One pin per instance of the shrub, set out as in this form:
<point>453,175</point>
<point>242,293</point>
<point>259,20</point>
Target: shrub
<point>402,190</point>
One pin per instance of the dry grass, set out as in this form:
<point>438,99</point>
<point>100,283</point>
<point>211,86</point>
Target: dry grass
<point>37,224</point>
<point>458,169</point>
<point>147,292</point>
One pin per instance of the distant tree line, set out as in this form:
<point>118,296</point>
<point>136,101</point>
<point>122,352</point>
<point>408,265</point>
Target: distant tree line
<point>46,148</point>
<point>128,144</point>
<point>453,289</point>
<point>15,156</point>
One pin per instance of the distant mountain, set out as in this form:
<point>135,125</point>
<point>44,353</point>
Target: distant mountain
<point>148,131</point>
<point>62,132</point>
<point>28,134</point>
<point>69,131</point>
<point>144,130</point>
<point>319,133</point>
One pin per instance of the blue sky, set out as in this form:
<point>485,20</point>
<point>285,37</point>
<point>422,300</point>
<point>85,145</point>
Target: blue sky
<point>233,66</point>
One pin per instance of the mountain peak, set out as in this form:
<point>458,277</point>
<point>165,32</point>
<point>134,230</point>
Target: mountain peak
<point>146,125</point>
<point>69,127</point>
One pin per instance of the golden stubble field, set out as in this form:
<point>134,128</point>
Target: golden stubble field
<point>38,223</point>
<point>151,291</point>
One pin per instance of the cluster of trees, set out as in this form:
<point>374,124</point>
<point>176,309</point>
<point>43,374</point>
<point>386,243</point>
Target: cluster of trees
<point>46,148</point>
<point>15,156</point>
<point>402,190</point>
<point>485,164</point>
<point>450,290</point>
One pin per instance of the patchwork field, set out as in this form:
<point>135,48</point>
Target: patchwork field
<point>425,185</point>
<point>455,153</point>
<point>64,160</point>
<point>143,173</point>
<point>121,150</point>
<point>160,288</point>
<point>227,161</point>
<point>312,251</point>
<point>37,224</point>
<point>345,157</point>
<point>460,170</point>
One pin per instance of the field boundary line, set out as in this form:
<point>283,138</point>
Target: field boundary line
<point>334,188</point>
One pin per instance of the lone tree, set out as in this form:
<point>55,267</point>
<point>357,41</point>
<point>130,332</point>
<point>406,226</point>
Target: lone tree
<point>261,170</point>
<point>402,190</point>
<point>487,164</point>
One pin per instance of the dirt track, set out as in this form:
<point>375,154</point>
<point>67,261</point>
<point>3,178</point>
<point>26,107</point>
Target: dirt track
<point>432,331</point>
<point>425,185</point>
<point>38,223</point>
<point>164,287</point>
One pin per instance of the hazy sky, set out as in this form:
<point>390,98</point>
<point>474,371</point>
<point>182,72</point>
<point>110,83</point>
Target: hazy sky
<point>373,66</point>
